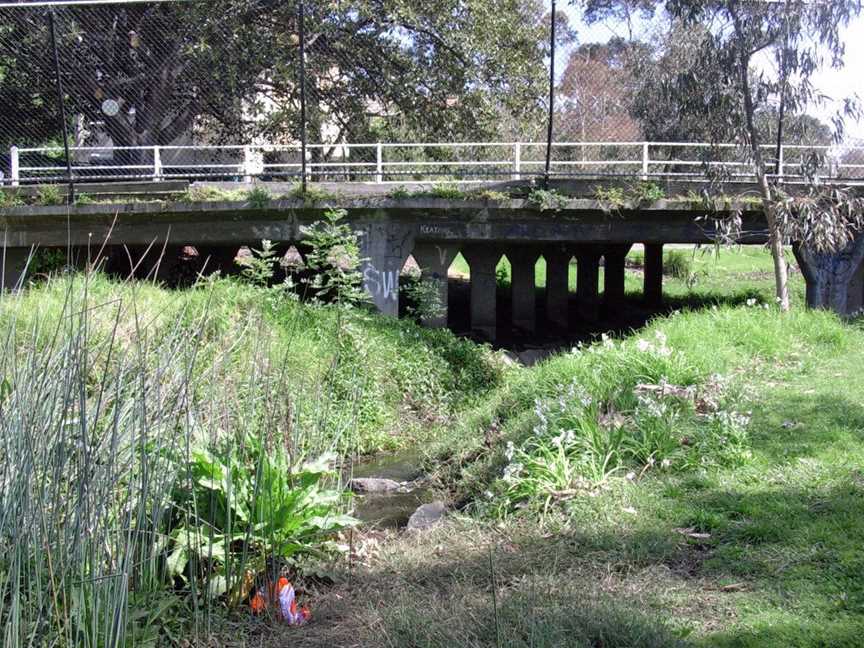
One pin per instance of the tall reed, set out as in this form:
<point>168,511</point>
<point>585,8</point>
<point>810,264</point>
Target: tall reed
<point>102,412</point>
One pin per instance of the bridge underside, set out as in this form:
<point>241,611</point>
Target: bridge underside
<point>433,231</point>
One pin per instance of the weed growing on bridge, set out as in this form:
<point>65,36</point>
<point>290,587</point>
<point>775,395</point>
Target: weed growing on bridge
<point>547,199</point>
<point>207,193</point>
<point>311,195</point>
<point>259,198</point>
<point>50,195</point>
<point>10,199</point>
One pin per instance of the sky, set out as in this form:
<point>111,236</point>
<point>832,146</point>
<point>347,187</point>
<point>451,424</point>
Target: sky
<point>836,84</point>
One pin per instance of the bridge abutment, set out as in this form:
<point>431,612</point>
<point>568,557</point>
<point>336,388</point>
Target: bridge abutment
<point>835,280</point>
<point>384,247</point>
<point>614,273</point>
<point>13,267</point>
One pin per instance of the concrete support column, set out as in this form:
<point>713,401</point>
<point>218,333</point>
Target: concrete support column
<point>13,267</point>
<point>384,247</point>
<point>834,280</point>
<point>482,260</point>
<point>614,262</point>
<point>557,286</point>
<point>434,260</point>
<point>653,290</point>
<point>523,262</point>
<point>587,278</point>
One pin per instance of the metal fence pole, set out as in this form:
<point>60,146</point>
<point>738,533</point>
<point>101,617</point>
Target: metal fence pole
<point>517,161</point>
<point>551,98</point>
<point>14,166</point>
<point>645,160</point>
<point>157,164</point>
<point>61,104</point>
<point>379,163</point>
<point>302,29</point>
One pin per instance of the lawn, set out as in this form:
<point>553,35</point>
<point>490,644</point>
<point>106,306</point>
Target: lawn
<point>763,550</point>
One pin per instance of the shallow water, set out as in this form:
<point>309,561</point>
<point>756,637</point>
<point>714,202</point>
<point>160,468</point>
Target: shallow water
<point>391,510</point>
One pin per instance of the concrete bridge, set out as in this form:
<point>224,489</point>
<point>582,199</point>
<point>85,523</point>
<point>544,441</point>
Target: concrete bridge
<point>433,231</point>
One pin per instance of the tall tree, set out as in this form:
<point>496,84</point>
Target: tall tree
<point>447,68</point>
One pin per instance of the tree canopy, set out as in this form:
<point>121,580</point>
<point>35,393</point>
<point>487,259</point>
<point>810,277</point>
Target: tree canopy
<point>444,69</point>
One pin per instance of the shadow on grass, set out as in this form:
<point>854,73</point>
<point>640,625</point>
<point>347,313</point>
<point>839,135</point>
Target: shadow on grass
<point>790,558</point>
<point>782,434</point>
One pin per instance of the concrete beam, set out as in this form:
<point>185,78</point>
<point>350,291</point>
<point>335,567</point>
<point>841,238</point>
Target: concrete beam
<point>523,286</point>
<point>482,260</point>
<point>587,277</point>
<point>653,286</point>
<point>434,260</point>
<point>384,247</point>
<point>558,286</point>
<point>614,273</point>
<point>834,280</point>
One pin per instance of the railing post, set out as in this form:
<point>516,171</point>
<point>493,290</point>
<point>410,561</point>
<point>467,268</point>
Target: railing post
<point>645,160</point>
<point>157,164</point>
<point>517,161</point>
<point>379,163</point>
<point>14,166</point>
<point>780,163</point>
<point>247,164</point>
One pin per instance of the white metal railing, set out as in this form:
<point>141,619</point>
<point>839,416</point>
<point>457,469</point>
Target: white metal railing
<point>390,162</point>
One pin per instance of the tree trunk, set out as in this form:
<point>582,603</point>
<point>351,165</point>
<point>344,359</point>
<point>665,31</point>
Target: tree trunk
<point>775,236</point>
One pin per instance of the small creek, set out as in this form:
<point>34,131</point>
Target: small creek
<point>390,510</point>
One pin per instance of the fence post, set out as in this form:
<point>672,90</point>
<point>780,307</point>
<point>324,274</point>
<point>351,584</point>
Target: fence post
<point>247,164</point>
<point>517,161</point>
<point>379,163</point>
<point>645,160</point>
<point>157,164</point>
<point>14,166</point>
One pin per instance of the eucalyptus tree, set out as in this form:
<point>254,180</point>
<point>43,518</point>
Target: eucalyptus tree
<point>715,82</point>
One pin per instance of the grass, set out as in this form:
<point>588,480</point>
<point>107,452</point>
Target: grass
<point>766,552</point>
<point>160,443</point>
<point>686,528</point>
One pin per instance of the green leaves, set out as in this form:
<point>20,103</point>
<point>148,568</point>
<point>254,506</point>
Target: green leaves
<point>247,507</point>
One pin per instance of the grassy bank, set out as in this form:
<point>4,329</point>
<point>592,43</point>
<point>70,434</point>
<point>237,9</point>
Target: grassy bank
<point>168,454</point>
<point>748,535</point>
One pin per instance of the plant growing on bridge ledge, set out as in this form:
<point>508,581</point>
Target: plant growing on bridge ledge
<point>259,198</point>
<point>547,199</point>
<point>334,258</point>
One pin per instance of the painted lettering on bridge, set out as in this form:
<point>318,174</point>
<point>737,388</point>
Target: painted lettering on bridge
<point>383,284</point>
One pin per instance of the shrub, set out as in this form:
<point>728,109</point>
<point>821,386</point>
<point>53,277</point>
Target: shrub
<point>547,199</point>
<point>259,198</point>
<point>50,195</point>
<point>334,258</point>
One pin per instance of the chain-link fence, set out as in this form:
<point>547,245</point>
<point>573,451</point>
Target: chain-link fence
<point>353,90</point>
